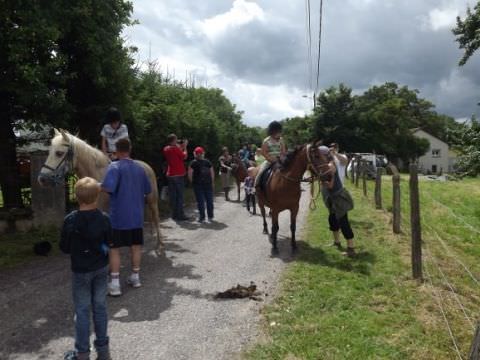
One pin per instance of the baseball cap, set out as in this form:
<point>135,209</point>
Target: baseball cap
<point>324,150</point>
<point>199,150</point>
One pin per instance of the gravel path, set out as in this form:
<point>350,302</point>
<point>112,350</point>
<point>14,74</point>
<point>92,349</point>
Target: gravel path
<point>173,316</point>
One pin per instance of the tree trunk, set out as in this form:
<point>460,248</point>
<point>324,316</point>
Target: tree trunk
<point>9,177</point>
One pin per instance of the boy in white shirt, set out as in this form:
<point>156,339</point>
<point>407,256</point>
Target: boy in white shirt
<point>112,131</point>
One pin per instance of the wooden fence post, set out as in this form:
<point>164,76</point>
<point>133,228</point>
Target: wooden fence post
<point>378,188</point>
<point>364,177</point>
<point>415,224</point>
<point>357,172</point>
<point>475,347</point>
<point>396,204</point>
<point>353,171</point>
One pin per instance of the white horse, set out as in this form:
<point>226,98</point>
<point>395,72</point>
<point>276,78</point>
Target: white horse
<point>68,152</point>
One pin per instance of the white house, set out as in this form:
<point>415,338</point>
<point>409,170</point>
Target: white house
<point>438,159</point>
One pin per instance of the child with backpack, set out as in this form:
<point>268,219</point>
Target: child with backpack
<point>249,186</point>
<point>86,236</point>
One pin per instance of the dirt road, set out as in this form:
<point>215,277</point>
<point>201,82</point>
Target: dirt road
<point>173,316</point>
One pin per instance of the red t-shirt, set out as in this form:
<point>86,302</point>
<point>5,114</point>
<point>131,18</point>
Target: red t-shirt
<point>175,159</point>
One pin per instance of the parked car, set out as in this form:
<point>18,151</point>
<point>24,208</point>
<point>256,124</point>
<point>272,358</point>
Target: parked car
<point>373,161</point>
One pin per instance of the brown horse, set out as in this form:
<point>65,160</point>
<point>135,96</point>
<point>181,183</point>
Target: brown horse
<point>282,192</point>
<point>239,172</point>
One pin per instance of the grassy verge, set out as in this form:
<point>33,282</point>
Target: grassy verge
<point>331,307</point>
<point>17,248</point>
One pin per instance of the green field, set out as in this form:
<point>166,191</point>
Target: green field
<point>331,307</point>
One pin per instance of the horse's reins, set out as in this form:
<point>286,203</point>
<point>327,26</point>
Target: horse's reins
<point>315,176</point>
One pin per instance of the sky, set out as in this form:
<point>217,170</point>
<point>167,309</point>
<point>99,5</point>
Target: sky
<point>257,52</point>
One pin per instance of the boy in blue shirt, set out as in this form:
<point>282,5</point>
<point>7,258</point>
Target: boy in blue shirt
<point>86,235</point>
<point>128,184</point>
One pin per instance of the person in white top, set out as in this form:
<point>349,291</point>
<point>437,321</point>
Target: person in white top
<point>112,131</point>
<point>341,161</point>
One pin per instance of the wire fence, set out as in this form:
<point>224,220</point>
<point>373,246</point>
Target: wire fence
<point>457,302</point>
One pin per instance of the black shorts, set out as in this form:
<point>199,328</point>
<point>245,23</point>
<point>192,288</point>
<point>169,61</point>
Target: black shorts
<point>122,238</point>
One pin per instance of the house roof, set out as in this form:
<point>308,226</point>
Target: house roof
<point>415,130</point>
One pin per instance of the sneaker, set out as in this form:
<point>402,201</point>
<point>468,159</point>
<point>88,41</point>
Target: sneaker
<point>211,220</point>
<point>73,355</point>
<point>134,281</point>
<point>201,220</point>
<point>114,290</point>
<point>104,355</point>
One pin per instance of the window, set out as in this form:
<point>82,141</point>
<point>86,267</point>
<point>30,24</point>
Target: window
<point>436,153</point>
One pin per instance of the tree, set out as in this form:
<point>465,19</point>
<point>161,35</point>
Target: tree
<point>297,130</point>
<point>62,63</point>
<point>380,120</point>
<point>334,118</point>
<point>467,144</point>
<point>203,115</point>
<point>98,65</point>
<point>467,33</point>
<point>30,80</point>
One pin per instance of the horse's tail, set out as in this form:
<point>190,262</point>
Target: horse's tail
<point>153,213</point>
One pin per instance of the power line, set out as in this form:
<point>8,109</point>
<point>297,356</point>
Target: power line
<point>319,45</point>
<point>309,44</point>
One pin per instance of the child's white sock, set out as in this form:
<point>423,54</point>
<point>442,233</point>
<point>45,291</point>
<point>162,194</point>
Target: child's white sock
<point>115,277</point>
<point>134,275</point>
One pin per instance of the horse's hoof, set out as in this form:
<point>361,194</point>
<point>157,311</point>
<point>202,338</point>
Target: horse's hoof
<point>274,251</point>
<point>265,232</point>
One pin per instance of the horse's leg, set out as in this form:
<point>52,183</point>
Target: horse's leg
<point>262,210</point>
<point>293,227</point>
<point>155,221</point>
<point>273,235</point>
<point>238,190</point>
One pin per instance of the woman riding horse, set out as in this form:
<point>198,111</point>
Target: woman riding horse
<point>283,190</point>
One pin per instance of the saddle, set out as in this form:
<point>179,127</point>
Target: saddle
<point>265,177</point>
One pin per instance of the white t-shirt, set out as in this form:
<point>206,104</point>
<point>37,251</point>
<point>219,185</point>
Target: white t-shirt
<point>113,135</point>
<point>340,169</point>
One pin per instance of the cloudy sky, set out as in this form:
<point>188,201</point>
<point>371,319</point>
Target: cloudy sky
<point>256,51</point>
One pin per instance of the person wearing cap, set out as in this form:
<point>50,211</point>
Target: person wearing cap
<point>338,202</point>
<point>202,177</point>
<point>112,131</point>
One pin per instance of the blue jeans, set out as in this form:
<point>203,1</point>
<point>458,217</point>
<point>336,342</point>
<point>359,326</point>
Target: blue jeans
<point>176,186</point>
<point>90,293</point>
<point>204,195</point>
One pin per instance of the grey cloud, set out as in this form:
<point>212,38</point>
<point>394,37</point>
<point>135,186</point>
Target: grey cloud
<point>364,43</point>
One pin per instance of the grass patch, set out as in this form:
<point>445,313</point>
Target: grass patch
<point>17,248</point>
<point>331,307</point>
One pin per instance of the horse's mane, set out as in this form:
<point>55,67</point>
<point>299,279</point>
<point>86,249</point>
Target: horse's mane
<point>291,154</point>
<point>84,150</point>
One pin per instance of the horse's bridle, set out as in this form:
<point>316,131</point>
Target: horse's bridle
<point>57,173</point>
<point>311,166</point>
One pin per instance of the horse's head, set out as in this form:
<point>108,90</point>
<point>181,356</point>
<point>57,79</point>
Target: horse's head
<point>59,159</point>
<point>319,162</point>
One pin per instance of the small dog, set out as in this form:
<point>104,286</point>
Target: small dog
<point>42,248</point>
